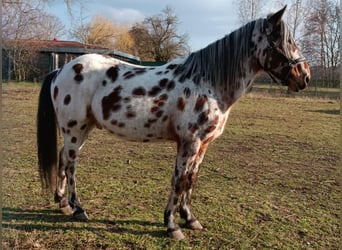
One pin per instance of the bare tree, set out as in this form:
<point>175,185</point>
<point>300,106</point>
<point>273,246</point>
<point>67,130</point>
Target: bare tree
<point>68,3</point>
<point>22,22</point>
<point>81,32</point>
<point>22,56</point>
<point>248,10</point>
<point>142,42</point>
<point>104,32</point>
<point>157,38</point>
<point>296,14</point>
<point>322,37</point>
<point>124,41</point>
<point>28,20</point>
<point>332,36</point>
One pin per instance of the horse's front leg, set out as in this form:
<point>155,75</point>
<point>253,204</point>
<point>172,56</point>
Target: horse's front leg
<point>185,205</point>
<point>181,181</point>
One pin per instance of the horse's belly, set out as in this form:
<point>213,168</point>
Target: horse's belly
<point>142,119</point>
<point>138,130</point>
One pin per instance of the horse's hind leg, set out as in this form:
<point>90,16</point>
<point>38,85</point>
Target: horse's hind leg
<point>61,185</point>
<point>74,202</point>
<point>73,140</point>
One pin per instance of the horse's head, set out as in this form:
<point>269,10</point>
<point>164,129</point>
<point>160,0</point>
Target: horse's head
<point>279,56</point>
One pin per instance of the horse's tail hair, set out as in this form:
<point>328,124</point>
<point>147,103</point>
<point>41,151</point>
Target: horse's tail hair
<point>47,136</point>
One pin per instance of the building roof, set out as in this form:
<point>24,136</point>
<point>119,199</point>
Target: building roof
<point>60,46</point>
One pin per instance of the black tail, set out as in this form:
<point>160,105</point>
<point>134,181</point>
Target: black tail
<point>47,136</point>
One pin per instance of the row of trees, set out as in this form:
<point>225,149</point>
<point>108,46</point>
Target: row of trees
<point>315,26</point>
<point>313,23</point>
<point>154,39</point>
<point>321,38</point>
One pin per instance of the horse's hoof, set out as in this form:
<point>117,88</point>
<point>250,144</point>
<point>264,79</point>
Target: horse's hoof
<point>67,210</point>
<point>81,216</point>
<point>195,225</point>
<point>176,235</point>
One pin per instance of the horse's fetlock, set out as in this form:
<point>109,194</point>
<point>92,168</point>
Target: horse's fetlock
<point>67,210</point>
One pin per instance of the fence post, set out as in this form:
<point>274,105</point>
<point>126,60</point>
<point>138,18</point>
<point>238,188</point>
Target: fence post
<point>316,94</point>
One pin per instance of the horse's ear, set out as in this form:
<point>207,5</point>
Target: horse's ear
<point>275,18</point>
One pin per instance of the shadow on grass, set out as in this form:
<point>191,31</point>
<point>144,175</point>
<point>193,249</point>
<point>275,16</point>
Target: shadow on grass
<point>327,111</point>
<point>49,220</point>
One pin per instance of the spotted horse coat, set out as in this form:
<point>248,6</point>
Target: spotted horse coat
<point>187,100</point>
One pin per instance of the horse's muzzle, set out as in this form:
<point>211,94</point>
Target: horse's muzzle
<point>299,77</point>
<point>300,84</point>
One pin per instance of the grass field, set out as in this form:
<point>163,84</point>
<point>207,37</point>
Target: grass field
<point>269,182</point>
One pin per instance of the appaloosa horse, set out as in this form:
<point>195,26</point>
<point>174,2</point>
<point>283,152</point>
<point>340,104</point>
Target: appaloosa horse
<point>187,100</point>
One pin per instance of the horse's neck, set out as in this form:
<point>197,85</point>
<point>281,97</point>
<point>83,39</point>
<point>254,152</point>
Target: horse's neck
<point>242,83</point>
<point>226,65</point>
<point>236,64</point>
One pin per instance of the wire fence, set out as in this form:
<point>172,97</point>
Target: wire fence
<point>312,91</point>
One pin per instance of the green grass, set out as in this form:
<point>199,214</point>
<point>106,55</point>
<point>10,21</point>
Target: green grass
<point>21,84</point>
<point>269,182</point>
